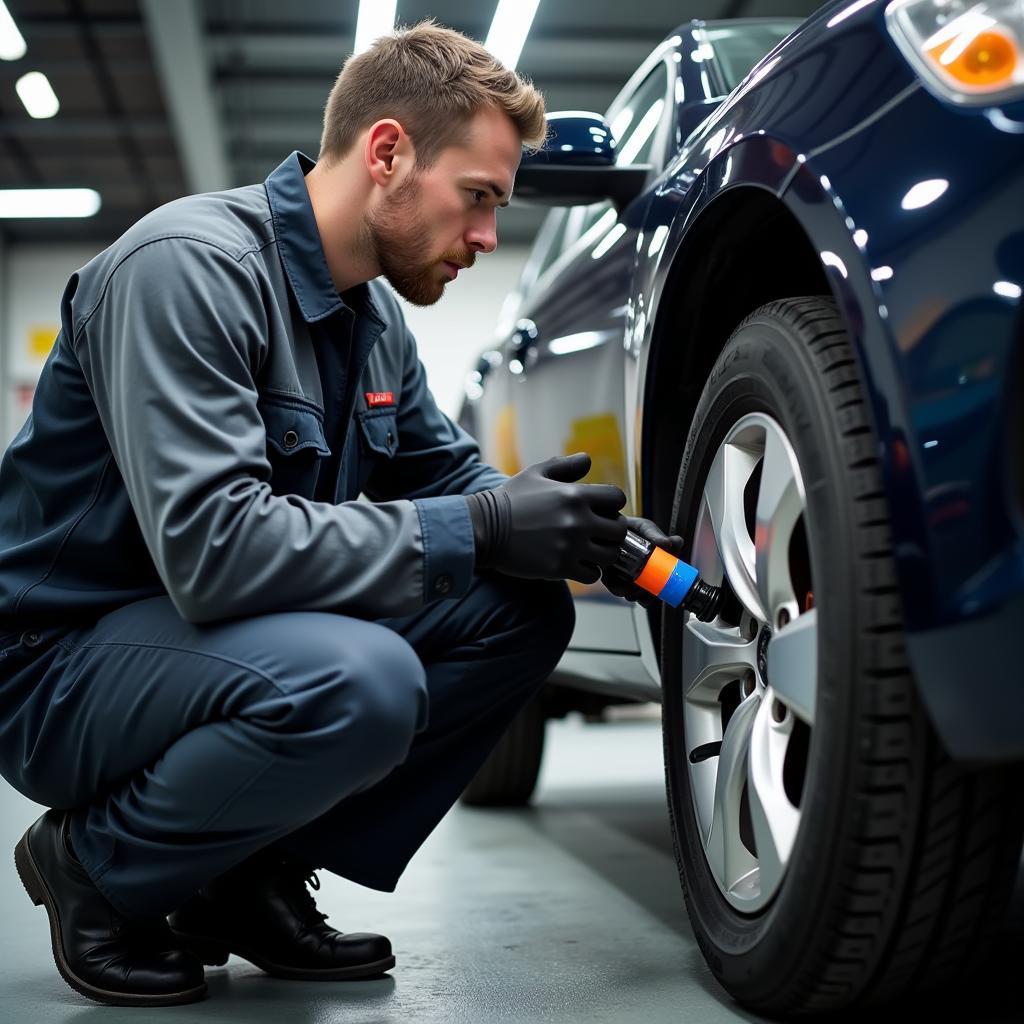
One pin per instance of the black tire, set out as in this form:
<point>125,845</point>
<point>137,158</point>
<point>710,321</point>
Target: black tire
<point>903,861</point>
<point>509,775</point>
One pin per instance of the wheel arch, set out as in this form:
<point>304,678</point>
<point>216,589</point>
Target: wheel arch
<point>745,249</point>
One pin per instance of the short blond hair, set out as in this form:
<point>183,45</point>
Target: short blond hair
<point>432,80</point>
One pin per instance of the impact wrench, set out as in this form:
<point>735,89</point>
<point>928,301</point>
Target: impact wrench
<point>666,577</point>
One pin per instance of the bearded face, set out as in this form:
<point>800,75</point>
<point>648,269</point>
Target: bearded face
<point>398,235</point>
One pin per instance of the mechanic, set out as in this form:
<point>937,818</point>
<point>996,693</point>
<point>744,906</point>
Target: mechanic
<point>220,669</point>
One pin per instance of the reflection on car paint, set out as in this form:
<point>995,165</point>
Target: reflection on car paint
<point>600,437</point>
<point>505,453</point>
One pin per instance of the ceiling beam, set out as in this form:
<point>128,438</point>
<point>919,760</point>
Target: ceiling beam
<point>105,82</point>
<point>77,127</point>
<point>176,38</point>
<point>311,55</point>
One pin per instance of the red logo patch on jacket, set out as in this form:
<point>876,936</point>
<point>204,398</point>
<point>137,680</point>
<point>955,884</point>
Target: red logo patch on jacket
<point>380,398</point>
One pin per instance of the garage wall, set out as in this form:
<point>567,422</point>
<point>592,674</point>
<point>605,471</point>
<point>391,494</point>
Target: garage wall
<point>32,279</point>
<point>452,333</point>
<point>35,276</point>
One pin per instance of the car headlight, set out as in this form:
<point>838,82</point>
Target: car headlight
<point>968,52</point>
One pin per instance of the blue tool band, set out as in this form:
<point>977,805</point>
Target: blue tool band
<point>678,585</point>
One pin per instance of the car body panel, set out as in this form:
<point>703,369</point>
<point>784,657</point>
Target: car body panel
<point>836,127</point>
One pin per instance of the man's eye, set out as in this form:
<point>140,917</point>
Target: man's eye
<point>477,194</point>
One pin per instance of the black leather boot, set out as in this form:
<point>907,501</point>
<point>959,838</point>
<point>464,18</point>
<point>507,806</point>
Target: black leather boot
<point>261,911</point>
<point>99,952</point>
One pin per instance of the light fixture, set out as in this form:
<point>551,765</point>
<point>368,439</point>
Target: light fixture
<point>967,53</point>
<point>12,43</point>
<point>37,94</point>
<point>48,202</point>
<point>376,18</point>
<point>509,29</point>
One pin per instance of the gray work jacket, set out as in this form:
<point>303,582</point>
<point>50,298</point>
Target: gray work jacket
<point>176,434</point>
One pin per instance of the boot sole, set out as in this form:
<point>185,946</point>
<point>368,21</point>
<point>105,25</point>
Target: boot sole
<point>215,954</point>
<point>39,893</point>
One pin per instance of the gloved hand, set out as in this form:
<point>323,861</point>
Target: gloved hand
<point>618,584</point>
<point>541,524</point>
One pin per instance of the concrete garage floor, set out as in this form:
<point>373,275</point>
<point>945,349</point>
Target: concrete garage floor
<point>569,911</point>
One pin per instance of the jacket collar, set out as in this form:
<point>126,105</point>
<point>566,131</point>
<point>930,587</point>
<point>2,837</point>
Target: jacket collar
<point>298,242</point>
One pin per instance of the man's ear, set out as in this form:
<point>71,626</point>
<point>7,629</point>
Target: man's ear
<point>386,147</point>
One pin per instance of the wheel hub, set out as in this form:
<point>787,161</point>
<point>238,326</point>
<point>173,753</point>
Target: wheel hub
<point>739,724</point>
<point>762,653</point>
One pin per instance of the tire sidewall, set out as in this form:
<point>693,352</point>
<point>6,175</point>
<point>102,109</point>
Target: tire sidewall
<point>767,367</point>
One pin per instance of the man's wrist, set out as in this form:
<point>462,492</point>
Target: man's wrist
<point>481,535</point>
<point>489,513</point>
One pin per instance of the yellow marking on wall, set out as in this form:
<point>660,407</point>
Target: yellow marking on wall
<point>40,339</point>
<point>506,446</point>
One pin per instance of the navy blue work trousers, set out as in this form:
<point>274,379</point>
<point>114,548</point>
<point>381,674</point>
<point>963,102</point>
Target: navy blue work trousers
<point>183,749</point>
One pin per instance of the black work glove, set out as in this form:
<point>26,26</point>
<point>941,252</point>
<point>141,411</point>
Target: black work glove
<point>541,524</point>
<point>620,585</point>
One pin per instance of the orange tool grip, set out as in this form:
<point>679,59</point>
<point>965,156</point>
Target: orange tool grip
<point>656,572</point>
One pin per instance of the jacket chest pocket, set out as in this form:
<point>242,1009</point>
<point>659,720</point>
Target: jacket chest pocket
<point>378,439</point>
<point>296,446</point>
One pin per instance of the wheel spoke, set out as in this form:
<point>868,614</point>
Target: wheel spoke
<point>723,504</point>
<point>738,775</point>
<point>713,656</point>
<point>780,503</point>
<point>793,664</point>
<point>774,818</point>
<point>727,855</point>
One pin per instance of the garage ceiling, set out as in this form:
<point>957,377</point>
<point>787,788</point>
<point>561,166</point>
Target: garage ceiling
<point>251,77</point>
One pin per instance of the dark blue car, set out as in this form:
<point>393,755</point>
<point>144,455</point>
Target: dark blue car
<point>779,302</point>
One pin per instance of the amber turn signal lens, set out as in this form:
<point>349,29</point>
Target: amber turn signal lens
<point>988,61</point>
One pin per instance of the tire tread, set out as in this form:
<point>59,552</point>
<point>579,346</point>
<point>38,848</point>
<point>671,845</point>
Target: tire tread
<point>922,912</point>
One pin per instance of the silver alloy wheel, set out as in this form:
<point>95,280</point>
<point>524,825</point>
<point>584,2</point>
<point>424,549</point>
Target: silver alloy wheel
<point>750,687</point>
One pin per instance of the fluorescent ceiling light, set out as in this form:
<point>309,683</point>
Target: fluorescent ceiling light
<point>12,43</point>
<point>376,18</point>
<point>48,202</point>
<point>508,32</point>
<point>37,94</point>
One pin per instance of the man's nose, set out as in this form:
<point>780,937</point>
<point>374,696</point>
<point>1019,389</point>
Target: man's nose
<point>483,237</point>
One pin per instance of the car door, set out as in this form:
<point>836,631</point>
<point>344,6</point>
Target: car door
<point>563,357</point>
<point>486,409</point>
